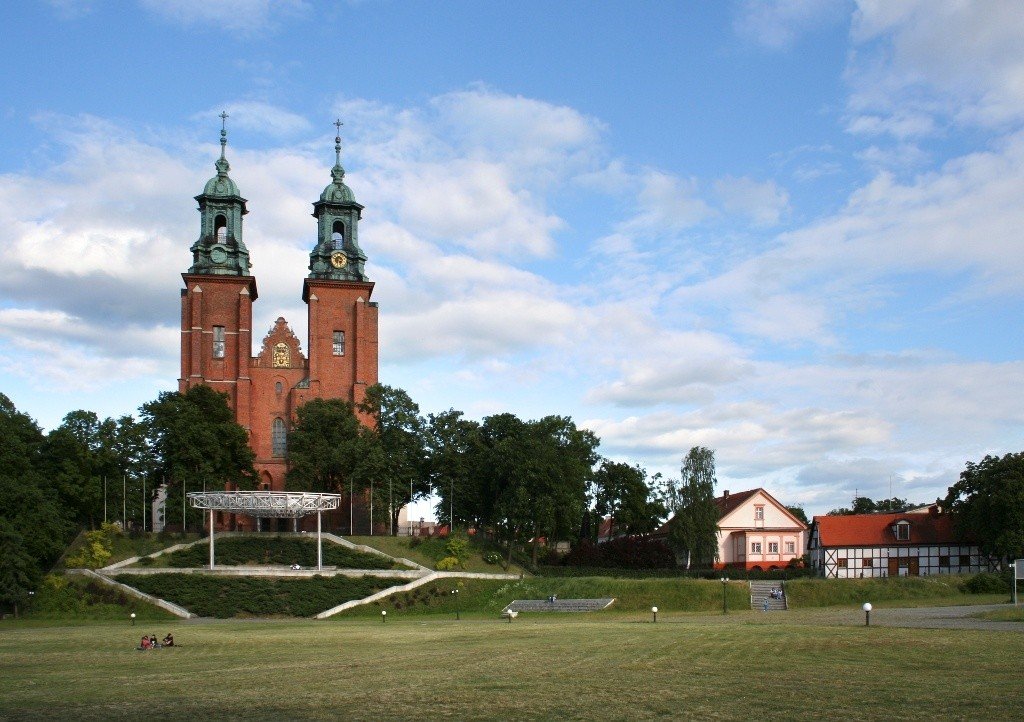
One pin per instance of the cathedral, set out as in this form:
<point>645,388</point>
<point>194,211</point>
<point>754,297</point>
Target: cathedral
<point>265,390</point>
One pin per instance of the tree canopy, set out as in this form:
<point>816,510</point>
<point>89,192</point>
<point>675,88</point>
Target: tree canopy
<point>987,504</point>
<point>329,449</point>
<point>693,530</point>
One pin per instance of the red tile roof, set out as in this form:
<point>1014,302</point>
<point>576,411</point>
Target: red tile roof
<point>863,530</point>
<point>727,503</point>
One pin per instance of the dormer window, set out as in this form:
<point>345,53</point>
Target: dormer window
<point>901,530</point>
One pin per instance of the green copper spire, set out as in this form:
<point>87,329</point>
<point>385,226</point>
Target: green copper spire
<point>337,255</point>
<point>219,250</point>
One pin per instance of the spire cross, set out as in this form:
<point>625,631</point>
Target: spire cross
<point>223,131</point>
<point>337,142</point>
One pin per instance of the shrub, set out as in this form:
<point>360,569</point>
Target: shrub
<point>458,548</point>
<point>447,564</point>
<point>986,583</point>
<point>624,552</point>
<point>97,549</point>
<point>492,558</point>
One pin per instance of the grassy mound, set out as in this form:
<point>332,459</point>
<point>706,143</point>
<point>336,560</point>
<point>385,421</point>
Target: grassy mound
<point>490,596</point>
<point>428,551</point>
<point>275,550</point>
<point>224,597</point>
<point>910,590</point>
<point>74,597</point>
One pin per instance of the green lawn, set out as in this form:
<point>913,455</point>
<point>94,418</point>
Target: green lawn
<point>798,666</point>
<point>1004,615</point>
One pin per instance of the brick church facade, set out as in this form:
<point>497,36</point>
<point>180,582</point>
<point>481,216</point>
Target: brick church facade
<point>340,361</point>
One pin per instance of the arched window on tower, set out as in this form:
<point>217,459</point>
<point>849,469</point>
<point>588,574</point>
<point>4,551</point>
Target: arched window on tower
<point>338,236</point>
<point>279,438</point>
<point>220,229</point>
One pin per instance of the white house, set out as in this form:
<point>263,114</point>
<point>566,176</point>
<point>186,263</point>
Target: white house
<point>755,531</point>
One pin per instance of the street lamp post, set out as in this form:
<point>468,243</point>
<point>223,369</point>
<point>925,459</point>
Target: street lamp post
<point>133,618</point>
<point>725,604</point>
<point>383,615</point>
<point>456,593</point>
<point>654,611</point>
<point>867,614</point>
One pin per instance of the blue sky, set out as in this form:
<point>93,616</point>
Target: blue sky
<point>789,231</point>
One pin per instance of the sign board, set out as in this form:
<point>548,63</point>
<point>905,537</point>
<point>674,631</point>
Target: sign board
<point>1018,573</point>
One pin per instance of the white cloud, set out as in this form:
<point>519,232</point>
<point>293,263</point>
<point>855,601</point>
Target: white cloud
<point>959,60</point>
<point>667,204</point>
<point>244,16</point>
<point>778,24</point>
<point>762,202</point>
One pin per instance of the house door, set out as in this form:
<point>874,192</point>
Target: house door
<point>894,569</point>
<point>915,568</point>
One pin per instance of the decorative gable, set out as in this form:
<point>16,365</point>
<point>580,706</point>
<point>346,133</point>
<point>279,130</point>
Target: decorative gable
<point>281,348</point>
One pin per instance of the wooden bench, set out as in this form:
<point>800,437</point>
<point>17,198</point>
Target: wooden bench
<point>510,614</point>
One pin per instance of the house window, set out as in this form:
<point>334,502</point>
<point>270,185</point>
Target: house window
<point>755,547</point>
<point>865,562</point>
<point>943,561</point>
<point>339,343</point>
<point>841,563</point>
<point>965,560</point>
<point>902,531</point>
<point>758,513</point>
<point>278,387</point>
<point>790,547</point>
<point>279,438</point>
<point>773,547</point>
<point>218,342</point>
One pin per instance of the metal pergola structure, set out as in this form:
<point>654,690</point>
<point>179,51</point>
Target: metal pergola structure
<point>267,504</point>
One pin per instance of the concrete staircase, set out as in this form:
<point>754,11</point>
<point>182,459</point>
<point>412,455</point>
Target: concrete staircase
<point>559,605</point>
<point>760,591</point>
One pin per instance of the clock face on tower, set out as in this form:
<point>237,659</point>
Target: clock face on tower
<point>218,254</point>
<point>338,259</point>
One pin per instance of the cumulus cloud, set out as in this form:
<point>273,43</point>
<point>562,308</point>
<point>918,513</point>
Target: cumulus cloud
<point>926,59</point>
<point>762,202</point>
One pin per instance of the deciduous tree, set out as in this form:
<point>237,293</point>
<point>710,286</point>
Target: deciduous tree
<point>693,530</point>
<point>987,504</point>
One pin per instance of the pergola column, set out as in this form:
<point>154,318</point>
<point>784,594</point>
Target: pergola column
<point>211,539</point>
<point>319,545</point>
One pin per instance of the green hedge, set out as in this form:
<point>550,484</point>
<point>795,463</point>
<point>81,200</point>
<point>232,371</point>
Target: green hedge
<point>832,592</point>
<point>74,597</point>
<point>216,596</point>
<point>279,550</point>
<point>710,574</point>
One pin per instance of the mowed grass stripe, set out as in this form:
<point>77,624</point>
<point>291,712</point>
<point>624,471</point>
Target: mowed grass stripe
<point>531,669</point>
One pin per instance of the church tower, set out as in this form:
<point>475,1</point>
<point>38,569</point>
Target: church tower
<point>216,303</point>
<point>342,321</point>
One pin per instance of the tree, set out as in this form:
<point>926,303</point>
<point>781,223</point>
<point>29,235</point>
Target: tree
<point>453,444</point>
<point>864,505</point>
<point>536,473</point>
<point>36,525</point>
<point>400,434</point>
<point>987,504</point>
<point>196,441</point>
<point>329,448</point>
<point>693,530</point>
<point>799,513</point>
<point>622,492</point>
<point>18,570</point>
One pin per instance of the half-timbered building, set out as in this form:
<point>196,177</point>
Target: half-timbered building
<point>919,542</point>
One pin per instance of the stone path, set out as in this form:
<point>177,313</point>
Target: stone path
<point>943,618</point>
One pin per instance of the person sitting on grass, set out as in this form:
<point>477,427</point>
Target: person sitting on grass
<point>169,640</point>
<point>152,642</point>
<point>144,644</point>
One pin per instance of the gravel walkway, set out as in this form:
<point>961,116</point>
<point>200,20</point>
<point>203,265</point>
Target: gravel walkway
<point>943,618</point>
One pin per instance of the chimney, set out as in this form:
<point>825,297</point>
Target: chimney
<point>725,494</point>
